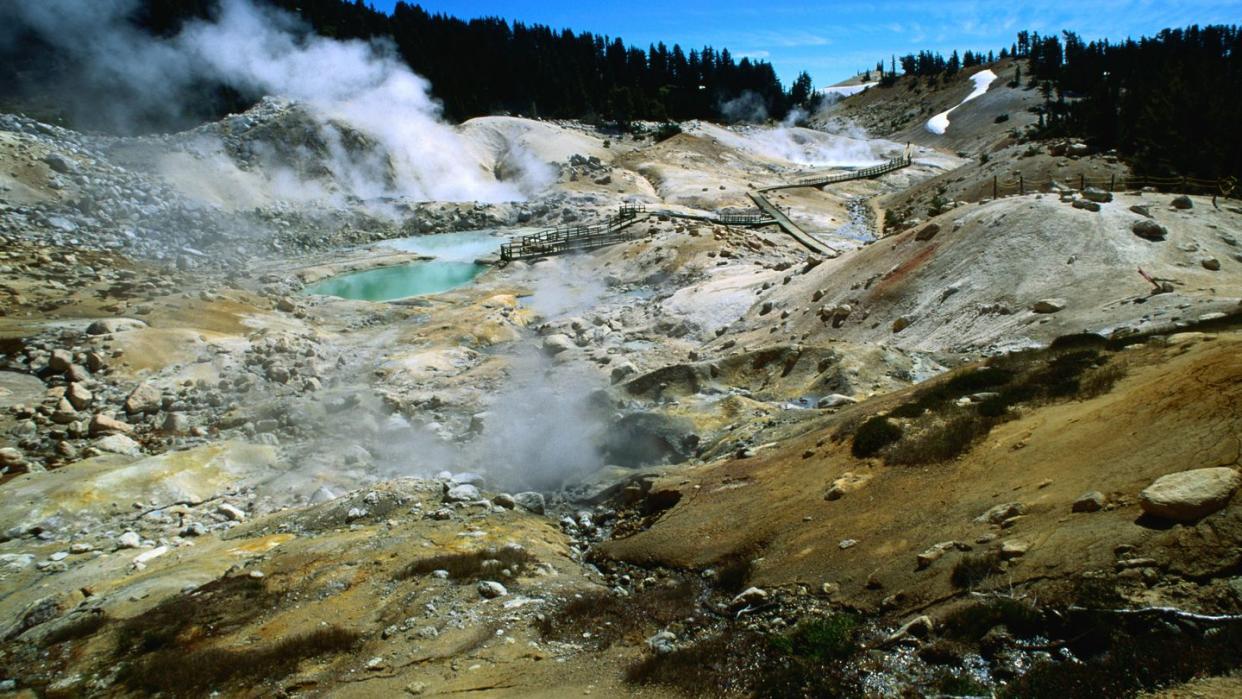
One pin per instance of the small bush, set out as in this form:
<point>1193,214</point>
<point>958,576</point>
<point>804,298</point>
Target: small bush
<point>971,622</point>
<point>955,685</point>
<point>1100,380</point>
<point>473,565</point>
<point>974,569</point>
<point>943,440</point>
<point>831,638</point>
<point>212,610</point>
<point>667,130</point>
<point>873,435</point>
<point>83,626</point>
<point>1001,118</point>
<point>610,618</point>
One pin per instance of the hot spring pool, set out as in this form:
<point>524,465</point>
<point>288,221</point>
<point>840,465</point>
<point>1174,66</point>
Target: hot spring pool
<point>452,267</point>
<point>402,281</point>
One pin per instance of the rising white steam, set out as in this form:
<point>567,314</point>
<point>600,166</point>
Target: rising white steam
<point>364,85</point>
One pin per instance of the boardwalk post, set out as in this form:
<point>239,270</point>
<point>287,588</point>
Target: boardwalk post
<point>1112,183</point>
<point>1021,184</point>
<point>995,188</point>
<point>1082,183</point>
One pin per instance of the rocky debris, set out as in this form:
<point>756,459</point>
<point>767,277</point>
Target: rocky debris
<point>1182,202</point>
<point>1086,205</point>
<point>1092,501</point>
<point>1211,264</point>
<point>663,643</point>
<point>231,511</point>
<point>622,371</point>
<point>129,540</point>
<point>750,597</point>
<point>1141,209</point>
<point>1149,230</point>
<point>1048,305</point>
<point>1188,496</point>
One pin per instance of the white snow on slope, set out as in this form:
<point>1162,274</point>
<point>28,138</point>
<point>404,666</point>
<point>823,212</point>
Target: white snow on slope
<point>843,91</point>
<point>940,123</point>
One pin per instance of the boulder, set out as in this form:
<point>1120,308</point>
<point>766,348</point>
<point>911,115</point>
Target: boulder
<point>1182,202</point>
<point>1190,495</point>
<point>622,372</point>
<point>490,589</point>
<point>1014,548</point>
<point>1092,501</point>
<point>106,424</point>
<point>78,396</point>
<point>1086,205</point>
<point>118,444</point>
<point>1149,229</point>
<point>1000,513</point>
<point>1210,263</point>
<point>107,326</point>
<point>1141,210</point>
<point>1098,196</point>
<point>531,501</point>
<point>556,344</point>
<point>60,361</point>
<point>144,399</point>
<point>462,493</point>
<point>927,232</point>
<point>835,400</point>
<point>1048,305</point>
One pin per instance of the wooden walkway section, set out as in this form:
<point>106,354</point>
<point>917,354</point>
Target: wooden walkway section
<point>565,239</point>
<point>809,241</point>
<point>863,174</point>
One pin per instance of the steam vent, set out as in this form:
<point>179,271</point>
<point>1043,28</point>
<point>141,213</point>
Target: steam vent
<point>371,349</point>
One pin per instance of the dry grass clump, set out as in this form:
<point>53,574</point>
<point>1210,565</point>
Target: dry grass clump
<point>473,565</point>
<point>178,672</point>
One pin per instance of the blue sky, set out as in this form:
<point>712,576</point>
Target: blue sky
<point>832,40</point>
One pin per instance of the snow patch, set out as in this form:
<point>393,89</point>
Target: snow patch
<point>837,92</point>
<point>940,123</point>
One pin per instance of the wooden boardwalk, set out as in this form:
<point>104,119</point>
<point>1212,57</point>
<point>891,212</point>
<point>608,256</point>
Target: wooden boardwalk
<point>863,174</point>
<point>809,241</point>
<point>565,239</point>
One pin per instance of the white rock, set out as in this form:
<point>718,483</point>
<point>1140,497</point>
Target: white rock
<point>231,512</point>
<point>129,540</point>
<point>462,493</point>
<point>1190,495</point>
<point>491,589</point>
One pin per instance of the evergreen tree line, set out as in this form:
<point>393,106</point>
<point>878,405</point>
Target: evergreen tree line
<point>490,66</point>
<point>1169,103</point>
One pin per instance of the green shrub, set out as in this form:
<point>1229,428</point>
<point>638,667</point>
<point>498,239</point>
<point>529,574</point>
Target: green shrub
<point>873,435</point>
<point>974,569</point>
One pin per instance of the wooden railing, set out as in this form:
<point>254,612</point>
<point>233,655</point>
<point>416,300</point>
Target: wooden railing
<point>563,239</point>
<point>863,174</point>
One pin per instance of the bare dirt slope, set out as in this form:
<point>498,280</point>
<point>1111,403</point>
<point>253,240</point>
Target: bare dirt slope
<point>975,283</point>
<point>1176,408</point>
